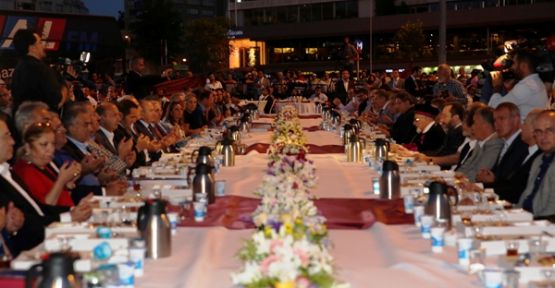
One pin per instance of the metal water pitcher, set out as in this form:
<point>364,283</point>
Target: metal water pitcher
<point>353,149</point>
<point>228,152</point>
<point>155,228</point>
<point>234,133</point>
<point>438,204</point>
<point>356,124</point>
<point>382,149</point>
<point>348,131</point>
<point>203,155</point>
<point>390,181</point>
<point>204,183</point>
<point>56,271</point>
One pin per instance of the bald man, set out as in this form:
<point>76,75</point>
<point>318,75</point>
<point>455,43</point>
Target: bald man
<point>447,87</point>
<point>538,197</point>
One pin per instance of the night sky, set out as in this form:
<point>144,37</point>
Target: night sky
<point>104,7</point>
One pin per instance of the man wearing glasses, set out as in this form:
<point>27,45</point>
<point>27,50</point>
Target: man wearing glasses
<point>538,197</point>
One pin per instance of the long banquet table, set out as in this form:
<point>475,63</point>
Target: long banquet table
<point>380,256</point>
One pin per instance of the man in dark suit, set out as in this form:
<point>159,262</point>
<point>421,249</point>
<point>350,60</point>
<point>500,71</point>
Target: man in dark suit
<point>430,135</point>
<point>403,130</point>
<point>412,84</point>
<point>32,78</point>
<point>342,87</point>
<point>37,215</point>
<point>131,113</point>
<point>109,121</point>
<point>511,156</point>
<point>134,83</point>
<point>451,118</point>
<point>509,177</point>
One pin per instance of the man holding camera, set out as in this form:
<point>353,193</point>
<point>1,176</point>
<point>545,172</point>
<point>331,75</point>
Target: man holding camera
<point>529,92</point>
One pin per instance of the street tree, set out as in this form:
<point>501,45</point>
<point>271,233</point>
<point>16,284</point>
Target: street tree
<point>206,44</point>
<point>410,40</point>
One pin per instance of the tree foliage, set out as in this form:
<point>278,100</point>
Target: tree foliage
<point>207,45</point>
<point>159,20</point>
<point>411,40</point>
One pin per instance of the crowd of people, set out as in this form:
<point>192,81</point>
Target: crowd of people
<point>60,145</point>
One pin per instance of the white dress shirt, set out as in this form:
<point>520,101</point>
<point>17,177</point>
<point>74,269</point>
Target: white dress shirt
<point>109,135</point>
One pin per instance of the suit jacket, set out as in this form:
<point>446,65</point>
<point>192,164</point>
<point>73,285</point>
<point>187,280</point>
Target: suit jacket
<point>32,232</point>
<point>140,128</point>
<point>340,91</point>
<point>482,157</point>
<point>403,130</point>
<point>81,190</point>
<point>511,161</point>
<point>453,139</point>
<point>544,201</point>
<point>73,151</point>
<point>431,140</point>
<point>515,181</point>
<point>103,141</point>
<point>34,80</point>
<point>411,87</point>
<point>123,133</point>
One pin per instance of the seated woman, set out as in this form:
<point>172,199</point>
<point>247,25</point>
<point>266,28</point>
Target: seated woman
<point>173,117</point>
<point>32,167</point>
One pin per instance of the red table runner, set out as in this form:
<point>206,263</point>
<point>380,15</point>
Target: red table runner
<point>300,116</point>
<point>234,212</point>
<point>312,149</point>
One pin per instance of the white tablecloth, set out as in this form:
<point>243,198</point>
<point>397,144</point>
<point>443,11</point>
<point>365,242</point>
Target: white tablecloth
<point>382,256</point>
<point>336,177</point>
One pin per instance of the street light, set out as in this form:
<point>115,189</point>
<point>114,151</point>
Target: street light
<point>235,6</point>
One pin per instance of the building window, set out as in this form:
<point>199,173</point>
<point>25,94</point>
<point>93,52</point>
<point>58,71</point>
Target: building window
<point>192,11</point>
<point>284,50</point>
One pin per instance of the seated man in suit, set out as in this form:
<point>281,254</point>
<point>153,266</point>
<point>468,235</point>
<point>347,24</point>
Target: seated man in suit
<point>538,197</point>
<point>110,118</point>
<point>511,156</point>
<point>148,125</point>
<point>403,130</point>
<point>488,145</point>
<point>451,119</point>
<point>37,215</point>
<point>464,150</point>
<point>515,180</point>
<point>97,179</point>
<point>430,135</point>
<point>132,113</point>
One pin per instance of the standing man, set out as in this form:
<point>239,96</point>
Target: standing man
<point>412,84</point>
<point>342,86</point>
<point>529,92</point>
<point>447,87</point>
<point>350,54</point>
<point>32,78</point>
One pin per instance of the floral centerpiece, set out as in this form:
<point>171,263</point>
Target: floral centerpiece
<point>288,137</point>
<point>290,247</point>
